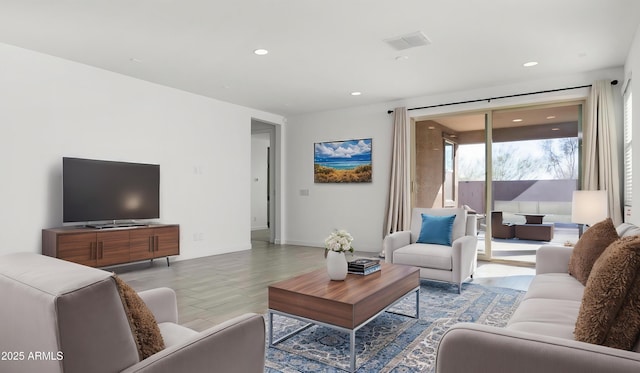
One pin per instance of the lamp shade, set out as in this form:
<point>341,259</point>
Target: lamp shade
<point>589,206</point>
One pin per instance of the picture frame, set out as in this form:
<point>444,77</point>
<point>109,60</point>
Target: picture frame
<point>344,161</point>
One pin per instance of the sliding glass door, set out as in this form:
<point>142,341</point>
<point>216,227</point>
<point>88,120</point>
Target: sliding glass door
<point>528,155</point>
<point>535,163</point>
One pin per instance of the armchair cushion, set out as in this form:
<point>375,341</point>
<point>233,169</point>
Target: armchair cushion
<point>425,256</point>
<point>589,247</point>
<point>436,229</point>
<point>144,328</point>
<point>609,314</point>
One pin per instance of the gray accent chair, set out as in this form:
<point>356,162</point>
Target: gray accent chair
<point>455,263</point>
<point>74,314</point>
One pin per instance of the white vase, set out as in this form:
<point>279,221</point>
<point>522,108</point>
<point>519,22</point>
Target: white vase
<point>336,265</point>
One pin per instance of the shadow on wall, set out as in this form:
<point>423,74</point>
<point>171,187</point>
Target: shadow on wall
<point>54,198</point>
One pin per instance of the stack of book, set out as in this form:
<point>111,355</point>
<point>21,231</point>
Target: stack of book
<point>364,266</point>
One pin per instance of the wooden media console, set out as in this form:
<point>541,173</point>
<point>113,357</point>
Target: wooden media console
<point>105,247</point>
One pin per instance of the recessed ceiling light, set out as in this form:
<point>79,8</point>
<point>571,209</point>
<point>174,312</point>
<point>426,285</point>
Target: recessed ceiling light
<point>555,129</point>
<point>529,64</point>
<point>260,52</point>
<point>551,117</point>
<point>356,93</point>
<point>517,120</point>
<point>431,127</point>
<point>402,58</point>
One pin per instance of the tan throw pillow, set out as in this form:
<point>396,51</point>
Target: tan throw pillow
<point>144,327</point>
<point>589,247</point>
<point>609,314</point>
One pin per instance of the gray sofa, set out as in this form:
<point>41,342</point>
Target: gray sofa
<point>539,335</point>
<point>72,317</point>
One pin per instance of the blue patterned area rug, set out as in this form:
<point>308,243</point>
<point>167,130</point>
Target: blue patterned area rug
<point>392,343</point>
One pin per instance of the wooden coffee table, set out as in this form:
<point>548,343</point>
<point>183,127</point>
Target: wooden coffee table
<point>342,305</point>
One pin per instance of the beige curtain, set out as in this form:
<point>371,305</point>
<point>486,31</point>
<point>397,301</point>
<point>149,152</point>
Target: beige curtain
<point>399,201</point>
<point>599,153</point>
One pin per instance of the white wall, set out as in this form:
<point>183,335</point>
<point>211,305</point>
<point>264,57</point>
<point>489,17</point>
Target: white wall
<point>631,67</point>
<point>360,208</point>
<point>50,108</point>
<point>259,147</point>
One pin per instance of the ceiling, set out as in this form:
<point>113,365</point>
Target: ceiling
<point>321,51</point>
<point>520,117</point>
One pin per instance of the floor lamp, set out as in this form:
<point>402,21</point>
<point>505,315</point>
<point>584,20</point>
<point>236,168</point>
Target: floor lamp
<point>588,207</point>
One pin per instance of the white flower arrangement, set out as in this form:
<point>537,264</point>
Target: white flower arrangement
<point>338,241</point>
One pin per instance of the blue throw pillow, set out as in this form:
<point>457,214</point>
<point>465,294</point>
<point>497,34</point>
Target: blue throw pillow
<point>436,229</point>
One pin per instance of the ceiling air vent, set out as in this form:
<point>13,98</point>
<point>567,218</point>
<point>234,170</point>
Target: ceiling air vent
<point>412,40</point>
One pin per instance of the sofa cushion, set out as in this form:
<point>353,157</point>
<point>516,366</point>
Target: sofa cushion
<point>436,229</point>
<point>424,255</point>
<point>589,247</point>
<point>609,314</point>
<point>551,317</point>
<point>143,324</point>
<point>560,286</point>
<point>174,334</point>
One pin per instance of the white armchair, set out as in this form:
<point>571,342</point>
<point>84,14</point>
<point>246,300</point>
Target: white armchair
<point>454,263</point>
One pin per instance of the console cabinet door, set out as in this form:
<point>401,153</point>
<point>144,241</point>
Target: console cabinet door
<point>167,241</point>
<point>141,245</point>
<point>112,247</point>
<point>78,247</point>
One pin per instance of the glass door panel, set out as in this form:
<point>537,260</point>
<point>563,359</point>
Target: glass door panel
<point>534,166</point>
<point>449,175</point>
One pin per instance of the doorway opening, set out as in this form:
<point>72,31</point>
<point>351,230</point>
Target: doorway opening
<point>263,183</point>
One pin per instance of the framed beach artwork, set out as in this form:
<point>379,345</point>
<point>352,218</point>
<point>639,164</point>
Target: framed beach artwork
<point>347,161</point>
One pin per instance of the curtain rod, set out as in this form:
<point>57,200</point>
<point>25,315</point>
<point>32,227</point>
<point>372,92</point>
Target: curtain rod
<point>613,82</point>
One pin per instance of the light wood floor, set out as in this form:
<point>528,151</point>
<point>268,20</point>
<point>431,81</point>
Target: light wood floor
<point>216,288</point>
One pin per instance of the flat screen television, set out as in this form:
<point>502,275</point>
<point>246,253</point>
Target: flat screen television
<point>97,190</point>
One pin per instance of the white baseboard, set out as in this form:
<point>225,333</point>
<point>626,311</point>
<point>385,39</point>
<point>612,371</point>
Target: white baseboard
<point>304,243</point>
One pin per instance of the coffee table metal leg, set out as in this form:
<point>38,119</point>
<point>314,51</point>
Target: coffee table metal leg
<point>352,341</point>
<point>417,315</point>
<point>291,334</point>
<point>418,303</point>
<point>270,328</point>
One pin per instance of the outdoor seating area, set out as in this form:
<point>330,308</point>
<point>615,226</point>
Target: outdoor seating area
<point>518,212</point>
<point>534,232</point>
<point>533,229</point>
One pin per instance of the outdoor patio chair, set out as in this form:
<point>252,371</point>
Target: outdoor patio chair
<point>499,229</point>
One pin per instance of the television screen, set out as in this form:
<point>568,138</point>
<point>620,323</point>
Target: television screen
<point>94,190</point>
